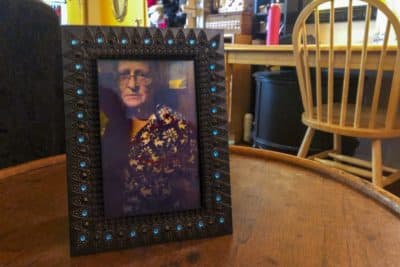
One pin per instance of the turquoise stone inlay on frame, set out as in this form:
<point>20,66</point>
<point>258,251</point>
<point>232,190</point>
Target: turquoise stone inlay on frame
<point>79,92</point>
<point>79,115</point>
<point>74,42</point>
<point>84,213</point>
<point>82,164</point>
<point>200,224</point>
<point>156,230</point>
<point>132,234</point>
<point>83,188</point>
<point>81,139</point>
<point>147,41</point>
<point>108,237</point>
<point>78,66</point>
<point>82,238</point>
<point>215,154</point>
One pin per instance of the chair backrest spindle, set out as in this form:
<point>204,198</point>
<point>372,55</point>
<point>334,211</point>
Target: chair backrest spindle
<point>361,77</point>
<point>394,95</point>
<point>345,92</point>
<point>318,66</point>
<point>300,74</point>
<point>307,73</point>
<point>331,62</point>
<point>379,76</point>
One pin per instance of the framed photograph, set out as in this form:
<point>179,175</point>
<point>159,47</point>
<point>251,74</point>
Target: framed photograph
<point>146,129</point>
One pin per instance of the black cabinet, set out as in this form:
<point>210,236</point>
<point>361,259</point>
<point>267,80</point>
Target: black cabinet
<point>278,108</point>
<point>277,120</point>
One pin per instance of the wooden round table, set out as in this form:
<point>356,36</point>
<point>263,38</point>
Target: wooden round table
<point>286,212</point>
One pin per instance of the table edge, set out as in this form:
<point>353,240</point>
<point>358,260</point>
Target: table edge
<point>234,48</point>
<point>31,165</point>
<point>383,197</point>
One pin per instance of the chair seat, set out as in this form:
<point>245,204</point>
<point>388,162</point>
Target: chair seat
<point>362,130</point>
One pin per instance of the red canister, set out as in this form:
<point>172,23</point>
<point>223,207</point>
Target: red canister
<point>273,23</point>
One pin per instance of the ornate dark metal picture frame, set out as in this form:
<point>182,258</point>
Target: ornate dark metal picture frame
<point>156,210</point>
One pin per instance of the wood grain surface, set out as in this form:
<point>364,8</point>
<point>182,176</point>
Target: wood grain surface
<point>283,214</point>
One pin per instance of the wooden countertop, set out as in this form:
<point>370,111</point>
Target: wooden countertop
<point>251,47</point>
<point>282,55</point>
<point>283,215</point>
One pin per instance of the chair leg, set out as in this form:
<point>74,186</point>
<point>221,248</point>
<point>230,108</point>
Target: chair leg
<point>377,163</point>
<point>337,143</point>
<point>305,145</point>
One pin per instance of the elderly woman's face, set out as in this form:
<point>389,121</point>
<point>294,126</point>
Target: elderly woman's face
<point>133,81</point>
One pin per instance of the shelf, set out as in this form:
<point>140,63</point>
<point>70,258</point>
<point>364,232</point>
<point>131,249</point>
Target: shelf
<point>260,14</point>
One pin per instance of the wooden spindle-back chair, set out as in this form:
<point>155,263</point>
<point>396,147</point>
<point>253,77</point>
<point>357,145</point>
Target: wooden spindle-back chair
<point>328,110</point>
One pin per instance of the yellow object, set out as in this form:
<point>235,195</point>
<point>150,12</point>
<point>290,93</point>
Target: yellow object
<point>177,84</point>
<point>76,12</point>
<point>96,12</point>
<point>103,122</point>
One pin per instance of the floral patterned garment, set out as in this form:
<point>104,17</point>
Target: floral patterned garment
<point>163,174</point>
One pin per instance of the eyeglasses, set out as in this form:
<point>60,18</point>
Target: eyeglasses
<point>138,76</point>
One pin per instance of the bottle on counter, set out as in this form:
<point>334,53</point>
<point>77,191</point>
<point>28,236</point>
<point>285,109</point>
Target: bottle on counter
<point>273,23</point>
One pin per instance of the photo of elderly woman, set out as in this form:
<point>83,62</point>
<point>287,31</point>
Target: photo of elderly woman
<point>148,127</point>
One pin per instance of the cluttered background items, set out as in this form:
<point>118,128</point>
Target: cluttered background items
<point>166,13</point>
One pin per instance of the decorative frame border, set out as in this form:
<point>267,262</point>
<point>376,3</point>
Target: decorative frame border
<point>90,231</point>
